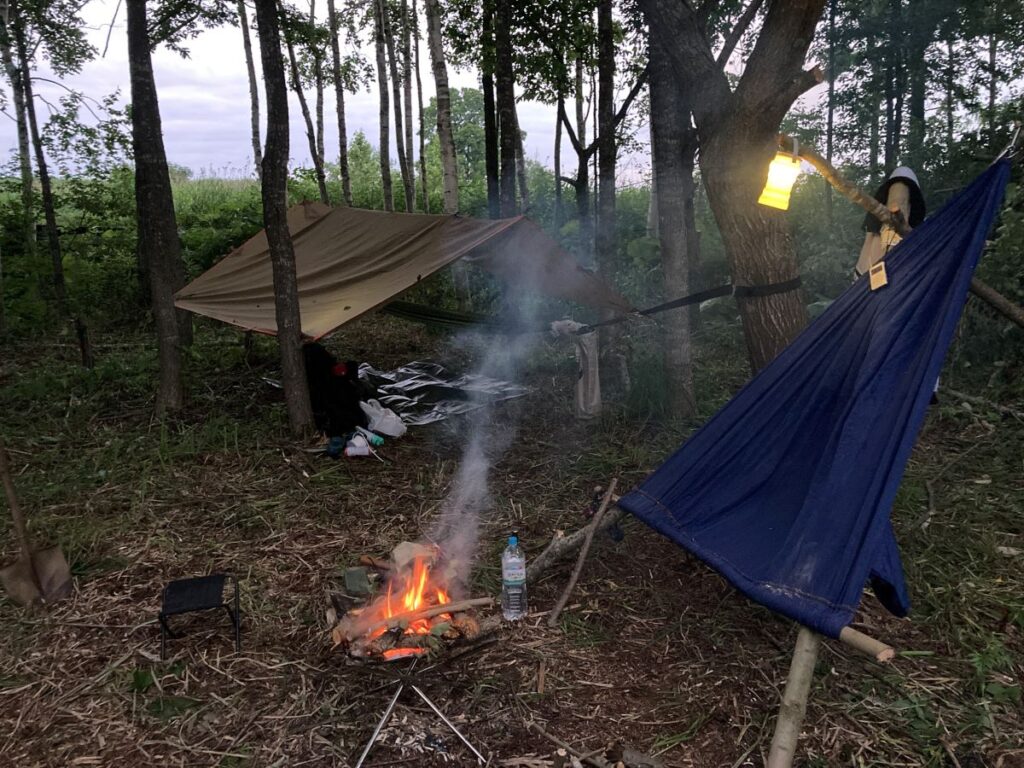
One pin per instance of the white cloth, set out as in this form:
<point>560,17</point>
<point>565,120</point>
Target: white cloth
<point>588,381</point>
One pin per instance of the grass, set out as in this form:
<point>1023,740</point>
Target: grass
<point>660,653</point>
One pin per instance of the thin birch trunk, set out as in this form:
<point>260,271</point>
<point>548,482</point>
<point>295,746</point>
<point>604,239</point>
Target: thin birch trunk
<point>410,159</point>
<point>318,166</point>
<point>254,96</point>
<point>339,102</point>
<point>396,95</point>
<point>24,151</point>
<point>419,102</point>
<point>558,163</point>
<point>449,167</point>
<point>385,108</point>
<point>506,103</point>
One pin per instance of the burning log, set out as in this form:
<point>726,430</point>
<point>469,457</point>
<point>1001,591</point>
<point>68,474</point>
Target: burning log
<point>349,627</point>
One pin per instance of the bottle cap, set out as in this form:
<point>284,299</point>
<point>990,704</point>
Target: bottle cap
<point>513,540</point>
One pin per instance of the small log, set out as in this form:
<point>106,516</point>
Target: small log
<point>584,549</point>
<point>794,700</point>
<point>563,546</point>
<point>466,625</point>
<point>375,562</point>
<point>876,649</point>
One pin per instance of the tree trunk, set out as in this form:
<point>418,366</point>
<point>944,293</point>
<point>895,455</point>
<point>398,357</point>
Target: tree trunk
<point>874,139</point>
<point>254,96</point>
<point>737,130</point>
<point>419,103</point>
<point>21,125</point>
<point>339,101</point>
<point>311,132</point>
<point>830,121</point>
<point>993,86</point>
<point>558,163</point>
<point>674,182</point>
<point>385,118</point>
<point>49,206</point>
<point>582,186</point>
<point>449,169</point>
<point>154,204</point>
<point>652,201</point>
<point>606,149</point>
<point>275,218</point>
<point>506,103</point>
<point>524,190</point>
<point>490,113</point>
<point>890,116</point>
<point>950,99</point>
<point>407,94</point>
<point>318,84</point>
<point>396,95</point>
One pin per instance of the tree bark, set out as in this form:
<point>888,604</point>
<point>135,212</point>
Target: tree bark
<point>606,149</point>
<point>737,130</point>
<point>275,218</point>
<point>21,125</point>
<point>419,103</point>
<point>49,206</point>
<point>993,84</point>
<point>410,159</point>
<point>311,132</point>
<point>558,163</point>
<point>506,103</point>
<point>154,204</point>
<point>385,118</point>
<point>449,168</point>
<point>830,121</point>
<point>339,102</point>
<point>524,189</point>
<point>396,95</point>
<point>490,113</point>
<point>254,96</point>
<point>582,185</point>
<point>950,100</point>
<point>673,178</point>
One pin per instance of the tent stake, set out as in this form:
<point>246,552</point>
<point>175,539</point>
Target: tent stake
<point>794,700</point>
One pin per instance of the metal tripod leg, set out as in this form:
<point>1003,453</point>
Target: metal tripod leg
<point>482,760</point>
<point>383,721</point>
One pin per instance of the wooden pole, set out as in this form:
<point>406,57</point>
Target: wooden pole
<point>794,700</point>
<point>1004,306</point>
<point>876,649</point>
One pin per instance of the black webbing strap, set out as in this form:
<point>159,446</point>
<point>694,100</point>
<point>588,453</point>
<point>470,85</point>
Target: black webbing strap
<point>753,291</point>
<point>685,301</point>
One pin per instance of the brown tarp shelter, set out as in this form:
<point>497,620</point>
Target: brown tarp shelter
<point>349,261</point>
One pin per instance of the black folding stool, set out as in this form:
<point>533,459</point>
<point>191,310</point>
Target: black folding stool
<point>203,593</point>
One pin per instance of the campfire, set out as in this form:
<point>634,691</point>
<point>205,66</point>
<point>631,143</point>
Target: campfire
<point>414,613</point>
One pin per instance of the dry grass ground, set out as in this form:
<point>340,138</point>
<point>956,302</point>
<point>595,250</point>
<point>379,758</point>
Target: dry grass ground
<point>655,651</point>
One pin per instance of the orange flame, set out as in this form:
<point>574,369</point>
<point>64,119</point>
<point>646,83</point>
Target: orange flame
<point>414,592</point>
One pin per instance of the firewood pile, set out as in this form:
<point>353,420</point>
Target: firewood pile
<point>408,608</point>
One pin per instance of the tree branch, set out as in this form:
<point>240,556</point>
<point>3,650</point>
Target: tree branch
<point>641,81</point>
<point>569,129</point>
<point>1006,307</point>
<point>737,32</point>
<point>797,87</point>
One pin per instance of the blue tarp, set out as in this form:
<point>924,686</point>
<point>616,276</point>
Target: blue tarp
<point>787,490</point>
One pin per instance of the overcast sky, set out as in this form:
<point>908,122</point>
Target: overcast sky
<point>204,101</point>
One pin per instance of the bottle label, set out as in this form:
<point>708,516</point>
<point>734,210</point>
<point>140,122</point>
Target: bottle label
<point>513,573</point>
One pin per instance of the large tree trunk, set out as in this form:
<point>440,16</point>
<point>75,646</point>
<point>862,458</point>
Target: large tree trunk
<point>275,219</point>
<point>449,169</point>
<point>49,206</point>
<point>830,120</point>
<point>490,113</point>
<point>506,103</point>
<point>13,72</point>
<point>524,189</point>
<point>419,103</point>
<point>154,204</point>
<point>396,94</point>
<point>673,179</point>
<point>606,154</point>
<point>311,132</point>
<point>385,118</point>
<point>254,96</point>
<point>737,130</point>
<point>582,185</point>
<point>339,102</point>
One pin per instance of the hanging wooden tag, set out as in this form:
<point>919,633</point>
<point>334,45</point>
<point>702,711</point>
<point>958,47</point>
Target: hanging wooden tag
<point>877,276</point>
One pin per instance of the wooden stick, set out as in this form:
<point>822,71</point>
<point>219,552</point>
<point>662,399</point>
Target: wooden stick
<point>876,649</point>
<point>375,562</point>
<point>1009,309</point>
<point>794,700</point>
<point>400,619</point>
<point>562,545</point>
<point>595,761</point>
<point>584,549</point>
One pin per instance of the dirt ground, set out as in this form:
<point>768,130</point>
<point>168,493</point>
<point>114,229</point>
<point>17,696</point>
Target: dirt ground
<point>655,652</point>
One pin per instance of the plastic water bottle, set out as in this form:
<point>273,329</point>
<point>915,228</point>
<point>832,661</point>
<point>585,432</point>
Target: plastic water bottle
<point>513,581</point>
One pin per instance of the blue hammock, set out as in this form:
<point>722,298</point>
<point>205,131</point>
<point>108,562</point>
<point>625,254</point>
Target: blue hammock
<point>787,490</point>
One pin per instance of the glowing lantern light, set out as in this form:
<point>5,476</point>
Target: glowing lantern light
<point>782,173</point>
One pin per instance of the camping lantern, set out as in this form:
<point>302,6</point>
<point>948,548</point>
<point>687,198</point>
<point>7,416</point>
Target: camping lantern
<point>782,173</point>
